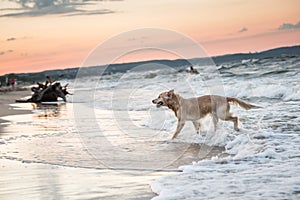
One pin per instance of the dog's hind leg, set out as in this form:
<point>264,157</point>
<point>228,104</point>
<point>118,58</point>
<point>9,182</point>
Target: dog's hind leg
<point>235,121</point>
<point>227,116</point>
<point>197,126</point>
<point>230,117</point>
<point>179,127</point>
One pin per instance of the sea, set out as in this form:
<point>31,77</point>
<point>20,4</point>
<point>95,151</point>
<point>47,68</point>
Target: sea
<point>109,141</point>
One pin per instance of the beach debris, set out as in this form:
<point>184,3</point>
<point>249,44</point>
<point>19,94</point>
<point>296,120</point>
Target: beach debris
<point>47,93</point>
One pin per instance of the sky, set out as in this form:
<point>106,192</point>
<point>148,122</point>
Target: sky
<point>39,35</point>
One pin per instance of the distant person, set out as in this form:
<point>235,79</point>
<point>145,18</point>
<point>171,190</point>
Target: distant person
<point>193,71</point>
<point>6,81</point>
<point>49,80</point>
<point>0,84</point>
<point>12,82</point>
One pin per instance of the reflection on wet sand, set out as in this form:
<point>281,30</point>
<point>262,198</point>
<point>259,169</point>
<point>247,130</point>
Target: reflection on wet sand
<point>54,162</point>
<point>46,111</point>
<point>196,152</point>
<point>44,181</point>
<point>44,120</point>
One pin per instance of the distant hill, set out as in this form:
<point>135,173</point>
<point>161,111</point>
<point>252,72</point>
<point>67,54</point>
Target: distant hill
<point>282,51</point>
<point>70,73</point>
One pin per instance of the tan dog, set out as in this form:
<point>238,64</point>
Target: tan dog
<point>194,109</point>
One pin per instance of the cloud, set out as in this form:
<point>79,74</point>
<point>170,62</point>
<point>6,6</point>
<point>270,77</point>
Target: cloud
<point>243,30</point>
<point>34,8</point>
<point>286,26</point>
<point>10,39</point>
<point>5,52</point>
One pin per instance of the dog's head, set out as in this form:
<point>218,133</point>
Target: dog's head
<point>164,98</point>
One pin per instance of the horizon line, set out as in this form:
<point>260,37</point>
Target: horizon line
<point>103,65</point>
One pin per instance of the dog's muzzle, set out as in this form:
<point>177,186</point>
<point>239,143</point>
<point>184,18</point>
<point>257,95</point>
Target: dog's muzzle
<point>158,103</point>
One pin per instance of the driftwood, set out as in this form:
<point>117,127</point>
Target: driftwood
<point>47,93</point>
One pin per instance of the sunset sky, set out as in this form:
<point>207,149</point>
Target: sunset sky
<point>38,35</point>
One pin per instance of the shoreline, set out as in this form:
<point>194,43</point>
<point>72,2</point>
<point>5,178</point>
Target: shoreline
<point>134,181</point>
<point>21,162</point>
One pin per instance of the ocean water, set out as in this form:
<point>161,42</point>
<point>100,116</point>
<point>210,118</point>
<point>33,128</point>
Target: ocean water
<point>112,133</point>
<point>263,158</point>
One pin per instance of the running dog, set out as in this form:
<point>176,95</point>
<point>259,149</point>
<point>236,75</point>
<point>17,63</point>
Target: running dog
<point>194,109</point>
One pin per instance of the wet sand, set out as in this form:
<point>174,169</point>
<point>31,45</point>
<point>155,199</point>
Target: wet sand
<point>45,181</point>
<point>25,178</point>
<point>54,166</point>
<point>7,97</point>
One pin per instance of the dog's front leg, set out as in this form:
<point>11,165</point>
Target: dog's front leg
<point>180,125</point>
<point>197,126</point>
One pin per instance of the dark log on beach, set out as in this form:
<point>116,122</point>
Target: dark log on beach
<point>44,93</point>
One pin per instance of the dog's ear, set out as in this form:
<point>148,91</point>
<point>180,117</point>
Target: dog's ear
<point>170,93</point>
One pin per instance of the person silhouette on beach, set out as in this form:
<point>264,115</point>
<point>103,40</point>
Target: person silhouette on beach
<point>49,80</point>
<point>193,71</point>
<point>12,82</point>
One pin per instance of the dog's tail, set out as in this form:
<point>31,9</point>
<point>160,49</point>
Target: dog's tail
<point>241,103</point>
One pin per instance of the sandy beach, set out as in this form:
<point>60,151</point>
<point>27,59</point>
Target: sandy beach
<point>48,179</point>
<point>41,145</point>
